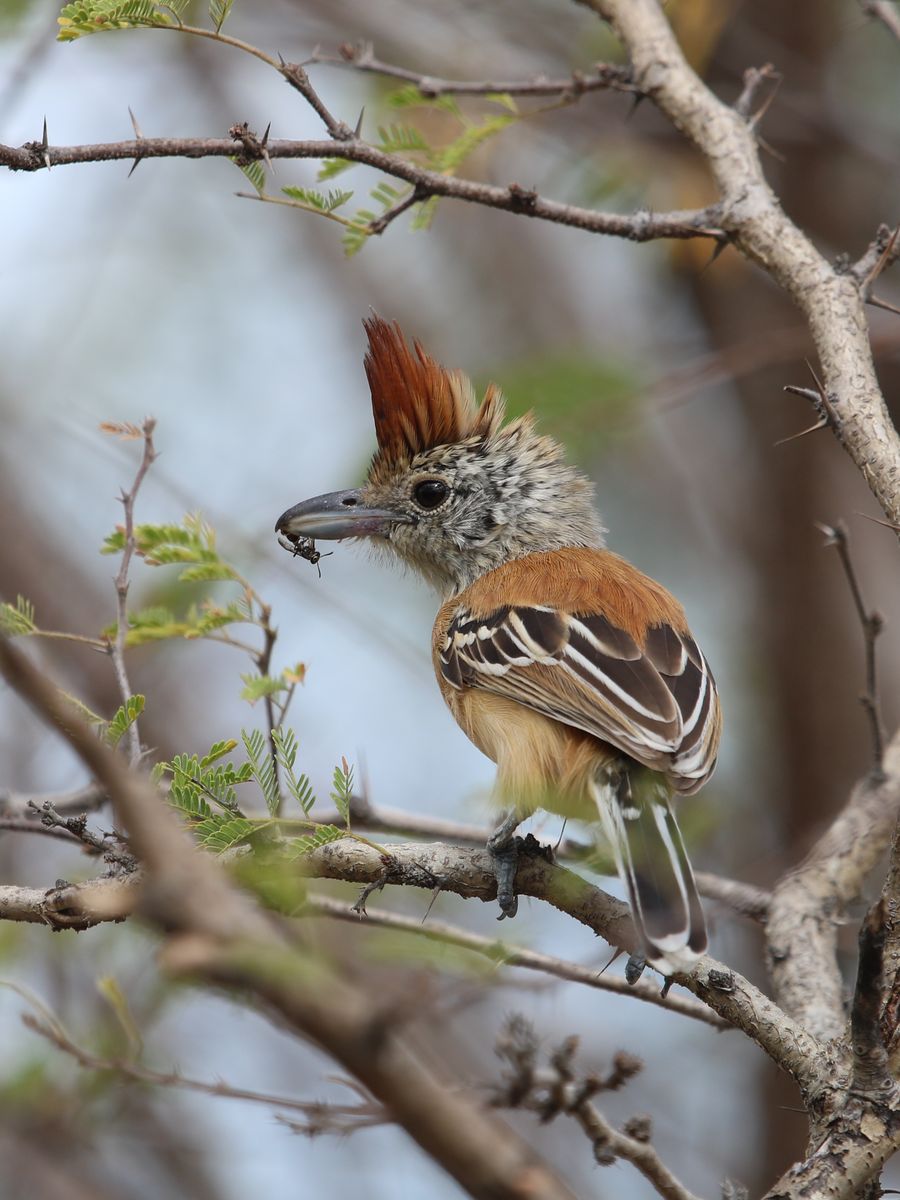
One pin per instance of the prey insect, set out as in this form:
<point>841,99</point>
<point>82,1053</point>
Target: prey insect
<point>303,547</point>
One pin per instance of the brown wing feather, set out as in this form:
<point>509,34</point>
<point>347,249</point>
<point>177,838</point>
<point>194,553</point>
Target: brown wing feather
<point>647,691</point>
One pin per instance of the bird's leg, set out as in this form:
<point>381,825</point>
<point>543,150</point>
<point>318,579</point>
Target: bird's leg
<point>503,848</point>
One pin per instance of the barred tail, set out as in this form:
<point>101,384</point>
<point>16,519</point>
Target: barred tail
<point>653,865</point>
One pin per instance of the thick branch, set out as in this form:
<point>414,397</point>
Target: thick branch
<point>220,935</point>
<point>470,873</point>
<point>808,903</point>
<point>760,229</point>
<point>744,898</point>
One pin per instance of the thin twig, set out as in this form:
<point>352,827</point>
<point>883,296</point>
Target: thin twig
<point>601,76</point>
<point>23,825</point>
<point>117,646</point>
<point>754,78</point>
<point>83,799</point>
<point>885,12</point>
<point>300,81</point>
<point>346,1115</point>
<point>872,624</point>
<point>77,827</point>
<point>380,224</point>
<point>557,1090</point>
<point>504,954</point>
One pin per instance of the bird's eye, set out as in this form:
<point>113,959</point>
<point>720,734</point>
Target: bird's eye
<point>429,493</point>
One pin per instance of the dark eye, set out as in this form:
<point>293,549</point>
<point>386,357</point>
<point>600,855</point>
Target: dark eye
<point>429,493</point>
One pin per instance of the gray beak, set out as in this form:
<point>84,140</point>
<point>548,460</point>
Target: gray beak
<point>334,516</point>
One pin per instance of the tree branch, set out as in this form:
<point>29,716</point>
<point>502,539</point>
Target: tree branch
<point>808,902</point>
<point>117,646</point>
<point>505,955</point>
<point>216,933</point>
<point>601,77</point>
<point>884,11</point>
<point>754,219</point>
<point>744,898</point>
<point>637,227</point>
<point>81,800</point>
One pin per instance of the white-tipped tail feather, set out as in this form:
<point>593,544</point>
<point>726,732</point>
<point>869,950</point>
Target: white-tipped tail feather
<point>635,809</point>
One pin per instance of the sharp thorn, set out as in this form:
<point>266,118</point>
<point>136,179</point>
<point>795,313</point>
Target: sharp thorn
<point>134,124</point>
<point>821,424</point>
<point>357,132</point>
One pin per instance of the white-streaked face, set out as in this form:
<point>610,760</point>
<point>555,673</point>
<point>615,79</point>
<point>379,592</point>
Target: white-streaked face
<point>465,509</point>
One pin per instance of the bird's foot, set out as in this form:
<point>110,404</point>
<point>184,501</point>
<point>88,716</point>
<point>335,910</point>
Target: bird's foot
<point>634,968</point>
<point>505,860</point>
<point>506,854</point>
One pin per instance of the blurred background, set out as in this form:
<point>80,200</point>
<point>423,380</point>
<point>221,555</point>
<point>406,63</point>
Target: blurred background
<point>238,325</point>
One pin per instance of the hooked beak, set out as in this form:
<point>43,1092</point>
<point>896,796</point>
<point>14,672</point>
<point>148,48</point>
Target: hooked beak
<point>334,516</point>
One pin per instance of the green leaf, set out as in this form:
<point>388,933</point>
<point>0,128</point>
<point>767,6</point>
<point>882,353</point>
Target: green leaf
<point>425,213</point>
<point>219,11</point>
<point>112,993</point>
<point>96,16</point>
<point>124,718</point>
<point>217,750</point>
<point>401,139</point>
<point>17,619</point>
<point>451,158</point>
<point>317,200</point>
<point>322,836</point>
<point>262,768</point>
<point>342,789</point>
<point>208,572</point>
<point>333,168</point>
<point>220,834</point>
<point>189,799</point>
<point>255,172</point>
<point>258,686</point>
<point>300,788</point>
<point>409,96</point>
<point>88,714</point>
<point>505,100</point>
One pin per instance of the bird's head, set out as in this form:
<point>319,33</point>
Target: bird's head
<point>451,490</point>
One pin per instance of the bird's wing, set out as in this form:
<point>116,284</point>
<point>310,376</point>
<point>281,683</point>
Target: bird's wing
<point>657,703</point>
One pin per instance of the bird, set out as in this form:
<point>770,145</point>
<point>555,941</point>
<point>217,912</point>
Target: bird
<point>572,670</point>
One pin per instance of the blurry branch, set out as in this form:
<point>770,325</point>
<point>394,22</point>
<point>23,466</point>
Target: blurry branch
<point>744,898</point>
<point>117,646</point>
<point>217,934</point>
<point>808,902</point>
<point>502,954</point>
<point>70,905</point>
<point>756,224</point>
<point>184,891</point>
<point>556,1090</point>
<point>24,825</point>
<point>884,11</point>
<point>334,1117</point>
<point>602,76</point>
<point>83,799</point>
<point>637,227</point>
<point>872,624</point>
